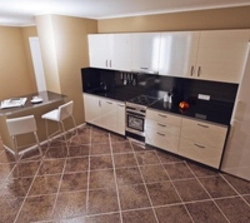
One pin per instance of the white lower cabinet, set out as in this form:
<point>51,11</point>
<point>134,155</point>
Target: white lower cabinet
<point>105,113</point>
<point>162,140</point>
<point>162,130</point>
<point>197,140</point>
<point>200,152</point>
<point>202,142</point>
<point>92,109</point>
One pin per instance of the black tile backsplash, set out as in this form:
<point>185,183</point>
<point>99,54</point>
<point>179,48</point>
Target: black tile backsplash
<point>183,88</point>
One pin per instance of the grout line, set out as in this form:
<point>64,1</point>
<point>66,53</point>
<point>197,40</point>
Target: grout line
<point>8,175</point>
<point>177,192</point>
<point>240,195</point>
<point>88,178</point>
<point>32,182</point>
<point>116,184</point>
<point>213,200</point>
<point>144,183</point>
<point>59,186</point>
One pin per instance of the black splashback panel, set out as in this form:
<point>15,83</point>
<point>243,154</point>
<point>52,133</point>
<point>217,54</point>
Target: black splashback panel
<point>182,88</point>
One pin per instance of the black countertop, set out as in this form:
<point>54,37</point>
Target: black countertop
<point>216,112</point>
<point>125,93</point>
<point>211,111</point>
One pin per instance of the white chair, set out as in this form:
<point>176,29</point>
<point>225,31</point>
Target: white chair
<point>58,115</point>
<point>20,126</point>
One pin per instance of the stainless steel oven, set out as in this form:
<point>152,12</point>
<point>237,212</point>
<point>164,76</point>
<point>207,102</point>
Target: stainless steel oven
<point>135,119</point>
<point>136,115</point>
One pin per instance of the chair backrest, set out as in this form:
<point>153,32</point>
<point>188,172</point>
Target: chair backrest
<point>65,110</point>
<point>21,125</point>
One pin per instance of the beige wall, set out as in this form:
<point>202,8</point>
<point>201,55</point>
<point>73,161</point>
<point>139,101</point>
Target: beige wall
<point>45,31</point>
<point>15,79</point>
<point>64,46</point>
<point>227,18</point>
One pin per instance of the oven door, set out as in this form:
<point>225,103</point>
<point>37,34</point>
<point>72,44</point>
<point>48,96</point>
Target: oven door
<point>135,123</point>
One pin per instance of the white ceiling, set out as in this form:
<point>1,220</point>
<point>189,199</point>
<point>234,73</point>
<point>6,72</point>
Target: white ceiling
<point>22,12</point>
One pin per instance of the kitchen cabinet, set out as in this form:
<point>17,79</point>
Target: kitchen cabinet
<point>92,109</point>
<point>208,55</point>
<point>221,55</point>
<point>145,52</point>
<point>202,142</point>
<point>194,139</point>
<point>237,154</point>
<point>105,113</point>
<point>110,51</point>
<point>217,55</point>
<point>162,130</point>
<point>178,53</point>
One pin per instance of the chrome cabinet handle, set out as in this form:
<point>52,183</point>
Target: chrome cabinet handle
<point>199,146</point>
<point>192,71</point>
<point>99,103</point>
<point>120,105</point>
<point>199,71</point>
<point>144,68</point>
<point>110,63</point>
<point>109,102</point>
<point>161,125</point>
<point>163,116</point>
<point>204,126</point>
<point>160,134</point>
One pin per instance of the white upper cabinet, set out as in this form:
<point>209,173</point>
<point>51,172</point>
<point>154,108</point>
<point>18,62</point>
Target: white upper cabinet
<point>110,51</point>
<point>120,51</point>
<point>221,55</point>
<point>99,50</point>
<point>145,52</point>
<point>178,52</point>
<point>209,55</point>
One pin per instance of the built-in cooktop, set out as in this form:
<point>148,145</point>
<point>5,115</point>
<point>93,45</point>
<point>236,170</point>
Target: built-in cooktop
<point>143,100</point>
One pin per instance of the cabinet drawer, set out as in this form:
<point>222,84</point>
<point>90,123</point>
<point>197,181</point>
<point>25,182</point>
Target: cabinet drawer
<point>163,127</point>
<point>162,140</point>
<point>203,133</point>
<point>163,117</point>
<point>200,152</point>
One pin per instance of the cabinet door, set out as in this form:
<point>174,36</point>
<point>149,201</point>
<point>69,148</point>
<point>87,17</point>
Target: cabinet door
<point>108,114</point>
<point>162,140</point>
<point>205,154</point>
<point>92,108</point>
<point>163,118</point>
<point>120,114</point>
<point>221,55</point>
<point>204,133</point>
<point>145,52</point>
<point>99,50</point>
<point>120,52</point>
<point>178,51</point>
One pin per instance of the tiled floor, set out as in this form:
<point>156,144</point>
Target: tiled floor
<point>106,179</point>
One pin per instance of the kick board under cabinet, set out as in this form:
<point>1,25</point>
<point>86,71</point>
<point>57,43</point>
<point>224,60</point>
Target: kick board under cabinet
<point>194,139</point>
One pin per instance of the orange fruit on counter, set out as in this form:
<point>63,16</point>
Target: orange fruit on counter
<point>183,105</point>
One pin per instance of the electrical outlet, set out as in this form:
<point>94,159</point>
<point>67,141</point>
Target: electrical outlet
<point>204,97</point>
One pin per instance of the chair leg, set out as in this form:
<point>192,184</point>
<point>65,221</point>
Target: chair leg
<point>75,128</point>
<point>38,143</point>
<point>15,147</point>
<point>47,132</point>
<point>65,137</point>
